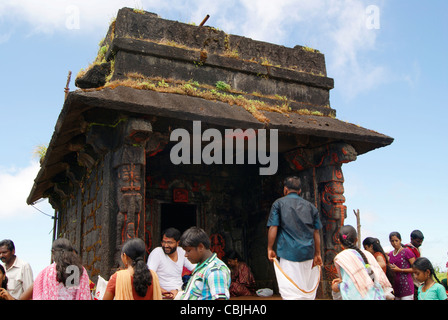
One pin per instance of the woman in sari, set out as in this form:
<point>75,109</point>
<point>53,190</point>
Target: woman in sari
<point>65,278</point>
<point>360,275</point>
<point>135,281</point>
<point>243,282</point>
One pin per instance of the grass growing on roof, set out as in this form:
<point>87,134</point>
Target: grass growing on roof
<point>220,92</point>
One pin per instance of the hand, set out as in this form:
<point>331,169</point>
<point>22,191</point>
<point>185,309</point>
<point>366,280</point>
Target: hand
<point>394,268</point>
<point>169,294</point>
<point>317,261</point>
<point>335,284</point>
<point>5,294</point>
<point>174,293</point>
<point>271,255</point>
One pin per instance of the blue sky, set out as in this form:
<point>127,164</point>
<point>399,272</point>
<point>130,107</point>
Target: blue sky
<point>388,60</point>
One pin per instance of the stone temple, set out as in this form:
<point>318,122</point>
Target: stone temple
<point>108,170</point>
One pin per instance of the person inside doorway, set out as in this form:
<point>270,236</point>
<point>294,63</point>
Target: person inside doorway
<point>243,281</point>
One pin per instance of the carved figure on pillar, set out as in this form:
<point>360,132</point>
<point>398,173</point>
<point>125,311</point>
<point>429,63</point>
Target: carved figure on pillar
<point>129,163</point>
<point>217,244</point>
<point>331,190</point>
<point>129,202</point>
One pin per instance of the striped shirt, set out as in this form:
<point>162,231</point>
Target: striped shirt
<point>209,281</point>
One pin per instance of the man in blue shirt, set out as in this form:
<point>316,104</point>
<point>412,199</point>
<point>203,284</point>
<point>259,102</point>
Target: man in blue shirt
<point>294,222</point>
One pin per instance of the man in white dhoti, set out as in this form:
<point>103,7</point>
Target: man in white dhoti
<point>294,222</point>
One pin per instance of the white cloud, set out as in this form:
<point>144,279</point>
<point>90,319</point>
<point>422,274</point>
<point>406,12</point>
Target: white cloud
<point>15,186</point>
<point>352,37</point>
<point>343,30</point>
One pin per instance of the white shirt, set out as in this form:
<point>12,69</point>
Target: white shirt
<point>20,277</point>
<point>168,271</point>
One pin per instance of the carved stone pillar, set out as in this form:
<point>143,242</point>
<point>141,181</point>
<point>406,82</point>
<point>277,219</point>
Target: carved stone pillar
<point>325,164</point>
<point>333,211</point>
<point>129,166</point>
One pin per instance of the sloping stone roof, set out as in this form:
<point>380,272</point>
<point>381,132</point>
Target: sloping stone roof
<point>71,124</point>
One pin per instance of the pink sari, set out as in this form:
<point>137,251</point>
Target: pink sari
<point>46,287</point>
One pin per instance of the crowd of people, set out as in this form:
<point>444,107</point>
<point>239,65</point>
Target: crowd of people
<point>185,268</point>
<point>182,268</point>
<point>371,274</point>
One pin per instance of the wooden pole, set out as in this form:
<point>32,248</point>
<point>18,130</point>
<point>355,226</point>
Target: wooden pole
<point>358,226</point>
<point>205,20</point>
<point>67,89</point>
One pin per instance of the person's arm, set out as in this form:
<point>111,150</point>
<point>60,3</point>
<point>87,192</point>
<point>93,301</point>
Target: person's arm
<point>272,235</point>
<point>336,284</point>
<point>394,268</point>
<point>317,261</point>
<point>273,223</point>
<point>218,284</point>
<point>110,288</point>
<point>441,292</point>
<point>409,255</point>
<point>381,261</point>
<point>108,295</point>
<point>407,270</point>
<point>153,260</point>
<point>27,280</point>
<point>28,294</point>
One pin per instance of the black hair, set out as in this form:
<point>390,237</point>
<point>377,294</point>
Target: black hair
<point>232,254</point>
<point>348,236</point>
<point>378,248</point>
<point>417,234</point>
<point>293,183</point>
<point>424,264</point>
<point>172,233</point>
<point>396,234</point>
<point>4,283</point>
<point>64,256</point>
<point>8,243</point>
<point>194,236</point>
<point>135,249</point>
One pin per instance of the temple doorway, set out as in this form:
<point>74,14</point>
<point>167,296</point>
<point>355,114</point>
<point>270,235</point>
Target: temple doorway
<point>177,215</point>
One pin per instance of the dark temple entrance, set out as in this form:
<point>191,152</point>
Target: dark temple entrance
<point>177,215</point>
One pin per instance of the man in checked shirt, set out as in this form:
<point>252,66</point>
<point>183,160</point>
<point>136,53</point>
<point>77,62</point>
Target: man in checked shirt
<point>210,279</point>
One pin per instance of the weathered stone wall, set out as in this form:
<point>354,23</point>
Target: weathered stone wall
<point>102,209</point>
<point>81,219</point>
